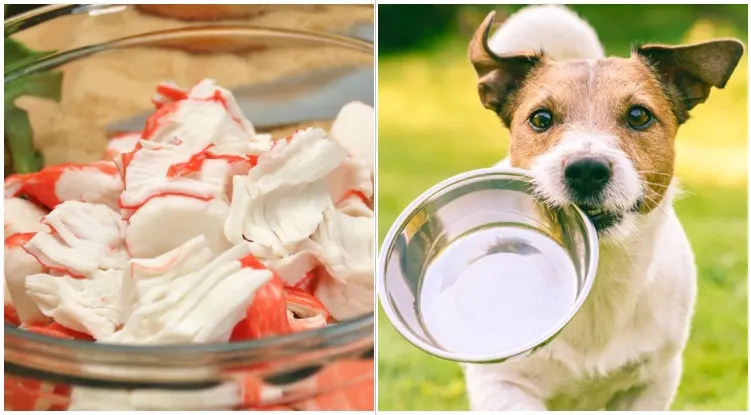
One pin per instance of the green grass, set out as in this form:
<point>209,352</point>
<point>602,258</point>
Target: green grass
<point>432,126</point>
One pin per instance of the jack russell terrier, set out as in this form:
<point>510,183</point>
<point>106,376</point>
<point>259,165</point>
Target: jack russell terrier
<point>599,133</point>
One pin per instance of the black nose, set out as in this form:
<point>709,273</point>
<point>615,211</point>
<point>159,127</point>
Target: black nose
<point>587,176</point>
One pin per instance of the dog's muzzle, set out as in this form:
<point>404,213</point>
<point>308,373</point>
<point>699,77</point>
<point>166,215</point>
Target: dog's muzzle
<point>586,178</point>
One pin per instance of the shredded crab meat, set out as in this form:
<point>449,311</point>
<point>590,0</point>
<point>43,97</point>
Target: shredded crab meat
<point>191,147</point>
<point>354,128</point>
<point>85,238</point>
<point>95,183</point>
<point>353,205</point>
<point>304,311</point>
<point>207,115</point>
<point>18,266</point>
<point>192,124</point>
<point>22,216</point>
<point>208,90</point>
<point>195,230</point>
<point>281,200</point>
<point>91,305</point>
<point>345,245</point>
<point>293,269</point>
<point>197,305</point>
<point>351,178</point>
<point>170,215</point>
<point>148,175</point>
<point>345,300</point>
<point>167,92</point>
<point>266,316</point>
<point>121,143</point>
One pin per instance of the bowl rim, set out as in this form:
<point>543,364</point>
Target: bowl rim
<point>104,353</point>
<point>400,223</point>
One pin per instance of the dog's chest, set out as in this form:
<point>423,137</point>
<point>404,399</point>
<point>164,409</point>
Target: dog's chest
<point>609,347</point>
<point>591,381</point>
<point>595,392</point>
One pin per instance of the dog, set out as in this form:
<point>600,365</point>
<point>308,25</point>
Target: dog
<point>599,133</point>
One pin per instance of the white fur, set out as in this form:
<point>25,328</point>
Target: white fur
<point>623,349</point>
<point>554,29</point>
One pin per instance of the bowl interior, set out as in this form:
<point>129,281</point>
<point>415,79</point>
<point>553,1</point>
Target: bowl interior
<point>480,241</point>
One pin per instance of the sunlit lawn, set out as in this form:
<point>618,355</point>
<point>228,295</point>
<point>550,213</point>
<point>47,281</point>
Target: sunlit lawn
<point>432,126</point>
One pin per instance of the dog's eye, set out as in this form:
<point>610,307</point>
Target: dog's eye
<point>541,120</point>
<point>639,118</point>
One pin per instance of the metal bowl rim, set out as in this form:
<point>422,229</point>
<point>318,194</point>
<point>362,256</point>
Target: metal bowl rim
<point>415,206</point>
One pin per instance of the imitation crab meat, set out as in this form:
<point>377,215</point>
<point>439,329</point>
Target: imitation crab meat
<point>197,230</point>
<point>281,201</point>
<point>304,310</point>
<point>18,266</point>
<point>94,183</point>
<point>22,216</point>
<point>122,143</point>
<point>189,295</point>
<point>354,128</point>
<point>169,215</point>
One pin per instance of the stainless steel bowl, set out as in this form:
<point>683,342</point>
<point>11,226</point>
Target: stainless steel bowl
<point>477,270</point>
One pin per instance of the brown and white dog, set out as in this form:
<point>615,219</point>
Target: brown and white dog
<point>599,133</point>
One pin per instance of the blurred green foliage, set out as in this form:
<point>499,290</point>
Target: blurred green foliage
<point>405,27</point>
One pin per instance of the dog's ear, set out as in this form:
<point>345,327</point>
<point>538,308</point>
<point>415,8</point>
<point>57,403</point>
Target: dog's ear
<point>498,76</point>
<point>690,71</point>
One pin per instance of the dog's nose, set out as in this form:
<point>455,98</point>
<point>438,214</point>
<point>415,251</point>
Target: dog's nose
<point>587,176</point>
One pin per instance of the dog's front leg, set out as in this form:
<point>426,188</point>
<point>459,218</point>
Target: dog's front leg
<point>655,395</point>
<point>487,392</point>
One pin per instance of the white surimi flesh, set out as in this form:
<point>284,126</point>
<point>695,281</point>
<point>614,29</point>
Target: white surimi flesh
<point>350,175</point>
<point>18,266</point>
<point>88,244</point>
<point>354,206</point>
<point>208,88</point>
<point>146,176</point>
<point>121,144</point>
<point>89,185</point>
<point>292,269</point>
<point>88,237</point>
<point>354,128</point>
<point>197,304</point>
<point>345,246</point>
<point>346,300</point>
<point>165,223</point>
<point>194,125</point>
<point>89,305</point>
<point>281,200</point>
<point>22,216</point>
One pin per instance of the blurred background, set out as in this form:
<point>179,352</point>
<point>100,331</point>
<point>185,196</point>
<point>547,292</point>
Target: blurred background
<point>431,126</point>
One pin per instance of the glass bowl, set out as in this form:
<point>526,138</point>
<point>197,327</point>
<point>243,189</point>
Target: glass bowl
<point>111,79</point>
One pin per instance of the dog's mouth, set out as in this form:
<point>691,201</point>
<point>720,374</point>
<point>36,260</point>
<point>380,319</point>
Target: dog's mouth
<point>601,219</point>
